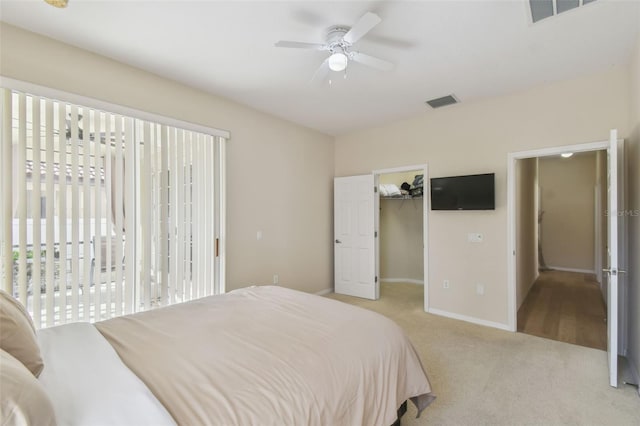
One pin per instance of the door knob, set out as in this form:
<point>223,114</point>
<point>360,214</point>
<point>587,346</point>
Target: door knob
<point>338,242</point>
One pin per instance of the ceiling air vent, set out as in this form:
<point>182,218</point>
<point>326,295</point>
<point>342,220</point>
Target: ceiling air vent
<point>541,9</point>
<point>443,101</point>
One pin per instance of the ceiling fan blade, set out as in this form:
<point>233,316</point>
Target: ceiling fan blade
<point>372,61</point>
<point>320,76</point>
<point>300,45</point>
<point>363,26</point>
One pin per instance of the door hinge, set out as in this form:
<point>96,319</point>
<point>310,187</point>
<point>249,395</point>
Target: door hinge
<point>376,279</point>
<point>375,189</point>
<point>217,247</point>
<point>375,234</point>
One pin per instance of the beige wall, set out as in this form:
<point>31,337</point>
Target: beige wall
<point>279,174</point>
<point>475,137</point>
<point>526,227</point>
<point>633,219</point>
<point>401,236</point>
<point>567,198</point>
<point>398,178</point>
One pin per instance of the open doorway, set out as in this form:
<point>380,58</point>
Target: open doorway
<point>614,279</point>
<point>561,219</point>
<point>401,225</point>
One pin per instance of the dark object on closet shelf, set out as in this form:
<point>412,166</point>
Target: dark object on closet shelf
<point>418,181</point>
<point>405,186</point>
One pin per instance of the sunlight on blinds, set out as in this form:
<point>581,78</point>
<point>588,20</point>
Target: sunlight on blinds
<point>58,231</point>
<point>102,214</point>
<point>177,232</point>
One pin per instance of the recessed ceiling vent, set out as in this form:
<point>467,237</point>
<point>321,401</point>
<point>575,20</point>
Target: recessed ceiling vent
<point>541,9</point>
<point>443,101</point>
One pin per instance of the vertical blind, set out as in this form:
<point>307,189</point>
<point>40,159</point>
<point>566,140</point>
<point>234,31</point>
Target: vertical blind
<point>104,214</point>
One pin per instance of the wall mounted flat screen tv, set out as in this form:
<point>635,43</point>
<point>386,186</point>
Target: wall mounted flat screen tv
<point>471,192</point>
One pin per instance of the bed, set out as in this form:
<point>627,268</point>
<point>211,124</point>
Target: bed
<point>262,355</point>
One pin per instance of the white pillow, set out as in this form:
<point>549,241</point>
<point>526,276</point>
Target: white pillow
<point>90,385</point>
<point>389,190</point>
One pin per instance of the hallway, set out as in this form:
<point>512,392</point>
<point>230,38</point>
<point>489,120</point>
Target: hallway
<point>565,306</point>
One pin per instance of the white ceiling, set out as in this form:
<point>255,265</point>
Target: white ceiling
<point>474,49</point>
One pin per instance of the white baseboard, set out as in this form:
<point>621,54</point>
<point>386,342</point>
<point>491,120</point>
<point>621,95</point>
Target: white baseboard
<point>324,292</point>
<point>401,280</point>
<point>560,268</point>
<point>469,319</point>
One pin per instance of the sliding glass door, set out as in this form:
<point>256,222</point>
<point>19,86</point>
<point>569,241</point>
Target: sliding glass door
<point>105,214</point>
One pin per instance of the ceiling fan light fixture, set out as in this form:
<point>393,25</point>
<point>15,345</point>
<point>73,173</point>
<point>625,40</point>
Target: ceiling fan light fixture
<point>58,3</point>
<point>338,61</point>
<point>339,42</point>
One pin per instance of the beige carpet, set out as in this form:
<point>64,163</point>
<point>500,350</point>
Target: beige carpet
<point>485,376</point>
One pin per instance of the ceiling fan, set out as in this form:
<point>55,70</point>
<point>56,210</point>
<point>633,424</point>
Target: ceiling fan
<point>339,43</point>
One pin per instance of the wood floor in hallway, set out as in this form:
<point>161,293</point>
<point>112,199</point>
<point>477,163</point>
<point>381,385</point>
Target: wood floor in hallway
<point>565,306</point>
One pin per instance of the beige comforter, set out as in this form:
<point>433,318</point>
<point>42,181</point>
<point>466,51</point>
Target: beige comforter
<point>271,356</point>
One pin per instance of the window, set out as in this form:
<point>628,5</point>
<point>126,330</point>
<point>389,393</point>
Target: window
<point>105,214</point>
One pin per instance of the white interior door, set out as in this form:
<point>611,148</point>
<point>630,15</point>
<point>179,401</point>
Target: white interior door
<point>615,205</point>
<point>354,237</point>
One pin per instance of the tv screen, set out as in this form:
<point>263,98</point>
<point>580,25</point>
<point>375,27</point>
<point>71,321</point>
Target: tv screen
<point>472,192</point>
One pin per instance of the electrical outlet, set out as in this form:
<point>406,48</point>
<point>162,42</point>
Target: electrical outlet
<point>445,284</point>
<point>275,279</point>
<point>475,237</point>
<point>480,289</point>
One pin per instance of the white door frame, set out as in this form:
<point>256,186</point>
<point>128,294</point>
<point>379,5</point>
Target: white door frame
<point>425,220</point>
<point>511,212</point>
<point>597,231</point>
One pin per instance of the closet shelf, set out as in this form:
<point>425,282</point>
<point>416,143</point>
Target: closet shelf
<point>404,197</point>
